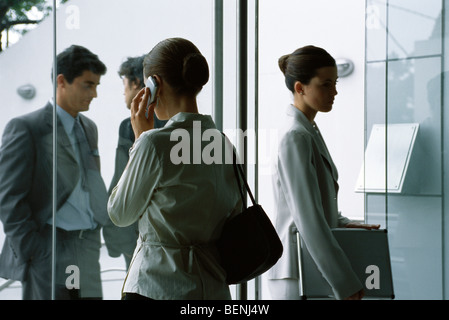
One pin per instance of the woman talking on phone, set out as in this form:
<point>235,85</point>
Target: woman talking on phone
<point>181,206</point>
<point>305,182</point>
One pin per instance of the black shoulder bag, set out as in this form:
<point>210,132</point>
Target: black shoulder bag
<point>249,244</point>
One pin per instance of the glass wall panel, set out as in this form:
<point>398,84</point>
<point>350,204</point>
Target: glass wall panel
<point>128,29</point>
<point>375,205</point>
<point>114,32</point>
<point>26,86</point>
<point>375,100</point>
<point>414,96</point>
<point>406,89</point>
<point>414,29</point>
<point>445,158</point>
<point>376,23</point>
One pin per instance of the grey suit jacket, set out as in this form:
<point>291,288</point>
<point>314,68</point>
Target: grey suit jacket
<point>121,240</point>
<point>305,186</point>
<point>26,185</point>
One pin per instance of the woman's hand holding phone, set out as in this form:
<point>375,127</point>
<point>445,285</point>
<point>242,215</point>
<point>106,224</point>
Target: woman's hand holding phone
<point>139,120</point>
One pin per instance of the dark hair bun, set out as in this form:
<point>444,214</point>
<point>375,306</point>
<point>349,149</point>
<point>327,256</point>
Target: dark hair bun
<point>178,62</point>
<point>303,64</point>
<point>283,62</point>
<point>195,70</point>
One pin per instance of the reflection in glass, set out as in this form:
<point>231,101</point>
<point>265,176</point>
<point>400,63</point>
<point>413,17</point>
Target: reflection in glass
<point>407,89</point>
<point>113,37</point>
<point>375,99</point>
<point>375,29</point>
<point>414,88</point>
<point>414,29</point>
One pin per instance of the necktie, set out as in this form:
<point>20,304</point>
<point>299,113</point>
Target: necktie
<point>86,158</point>
<point>91,180</point>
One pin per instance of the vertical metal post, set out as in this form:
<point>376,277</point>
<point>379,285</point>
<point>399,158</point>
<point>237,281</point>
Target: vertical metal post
<point>387,63</point>
<point>242,96</point>
<point>444,93</point>
<point>242,74</point>
<point>218,64</point>
<point>256,120</point>
<point>54,203</point>
<point>365,125</point>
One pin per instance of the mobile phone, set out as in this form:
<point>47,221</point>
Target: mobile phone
<point>152,85</point>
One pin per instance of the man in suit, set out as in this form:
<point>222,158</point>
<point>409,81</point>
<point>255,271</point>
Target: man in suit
<point>123,240</point>
<point>26,199</point>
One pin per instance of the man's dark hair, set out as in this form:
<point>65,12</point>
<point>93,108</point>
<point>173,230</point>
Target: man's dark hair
<point>132,69</point>
<point>73,61</point>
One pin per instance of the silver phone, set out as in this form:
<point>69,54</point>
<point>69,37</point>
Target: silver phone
<point>152,85</point>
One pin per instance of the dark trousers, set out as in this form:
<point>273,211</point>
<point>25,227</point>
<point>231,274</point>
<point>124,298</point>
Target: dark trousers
<point>134,296</point>
<point>73,248</point>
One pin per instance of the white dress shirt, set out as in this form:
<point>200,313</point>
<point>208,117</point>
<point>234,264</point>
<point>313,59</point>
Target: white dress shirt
<point>181,209</point>
<point>75,213</point>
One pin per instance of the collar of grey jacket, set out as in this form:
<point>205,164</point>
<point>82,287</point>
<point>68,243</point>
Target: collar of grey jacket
<point>313,130</point>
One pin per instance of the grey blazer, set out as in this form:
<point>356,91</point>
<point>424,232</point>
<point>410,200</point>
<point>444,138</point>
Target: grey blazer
<point>121,240</point>
<point>305,186</point>
<point>26,185</point>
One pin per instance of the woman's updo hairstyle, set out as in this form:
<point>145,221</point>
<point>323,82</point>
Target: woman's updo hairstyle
<point>179,62</point>
<point>302,64</point>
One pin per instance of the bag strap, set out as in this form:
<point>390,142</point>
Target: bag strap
<point>238,171</point>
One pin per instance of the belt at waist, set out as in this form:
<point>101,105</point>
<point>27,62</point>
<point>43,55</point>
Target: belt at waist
<point>74,233</point>
<point>191,247</point>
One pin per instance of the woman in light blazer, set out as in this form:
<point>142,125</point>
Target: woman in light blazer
<point>180,199</point>
<point>305,183</point>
